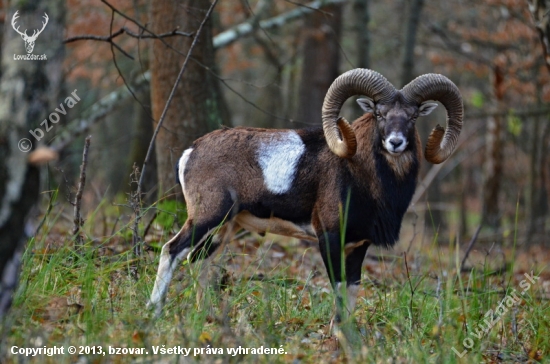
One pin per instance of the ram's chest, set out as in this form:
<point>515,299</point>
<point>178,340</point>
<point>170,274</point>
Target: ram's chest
<point>278,156</point>
<point>376,213</point>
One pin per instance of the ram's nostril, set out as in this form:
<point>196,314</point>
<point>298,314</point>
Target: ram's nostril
<point>396,142</point>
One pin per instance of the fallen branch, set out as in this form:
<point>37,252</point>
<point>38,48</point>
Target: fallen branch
<point>434,171</point>
<point>95,113</point>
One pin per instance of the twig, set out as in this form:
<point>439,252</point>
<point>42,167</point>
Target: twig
<point>163,115</point>
<point>53,196</point>
<point>78,198</point>
<point>135,203</point>
<point>150,223</point>
<point>470,246</point>
<point>411,287</point>
<point>95,37</point>
<point>415,233</point>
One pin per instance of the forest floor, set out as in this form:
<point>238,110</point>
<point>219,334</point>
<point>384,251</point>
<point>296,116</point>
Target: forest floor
<point>414,305</point>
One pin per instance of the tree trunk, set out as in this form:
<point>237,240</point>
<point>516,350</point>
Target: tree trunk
<point>362,19</point>
<point>144,133</point>
<point>29,90</point>
<point>198,106</point>
<point>491,215</point>
<point>537,195</point>
<point>541,21</point>
<point>271,96</point>
<point>410,41</point>
<point>321,56</point>
<point>435,218</point>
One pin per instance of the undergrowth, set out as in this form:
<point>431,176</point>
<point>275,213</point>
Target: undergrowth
<point>272,293</point>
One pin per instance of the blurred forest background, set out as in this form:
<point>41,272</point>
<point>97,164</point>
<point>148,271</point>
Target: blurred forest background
<point>268,63</point>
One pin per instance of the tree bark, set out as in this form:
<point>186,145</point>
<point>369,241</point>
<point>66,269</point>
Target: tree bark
<point>321,56</point>
<point>198,106</point>
<point>29,90</point>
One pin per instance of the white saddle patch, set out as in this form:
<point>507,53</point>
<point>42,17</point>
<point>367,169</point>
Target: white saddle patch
<point>278,158</point>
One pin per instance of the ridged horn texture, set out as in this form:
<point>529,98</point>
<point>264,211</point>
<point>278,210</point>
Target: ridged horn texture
<point>441,142</point>
<point>338,133</point>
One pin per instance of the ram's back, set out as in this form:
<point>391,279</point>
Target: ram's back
<point>267,172</point>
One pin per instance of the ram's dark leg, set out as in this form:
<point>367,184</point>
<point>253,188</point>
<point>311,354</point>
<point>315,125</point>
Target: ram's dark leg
<point>206,251</point>
<point>355,254</point>
<point>345,286</point>
<point>333,257</point>
<point>334,253</point>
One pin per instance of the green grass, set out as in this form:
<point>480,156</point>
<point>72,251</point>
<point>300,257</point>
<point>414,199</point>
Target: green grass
<point>273,294</point>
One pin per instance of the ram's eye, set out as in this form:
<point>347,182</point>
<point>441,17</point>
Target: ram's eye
<point>378,114</point>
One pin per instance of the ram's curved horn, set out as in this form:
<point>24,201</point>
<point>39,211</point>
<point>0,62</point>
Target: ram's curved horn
<point>338,132</point>
<point>441,142</point>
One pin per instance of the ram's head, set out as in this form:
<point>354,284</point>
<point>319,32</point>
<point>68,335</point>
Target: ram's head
<point>395,111</point>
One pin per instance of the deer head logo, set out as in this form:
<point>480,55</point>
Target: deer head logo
<point>29,40</point>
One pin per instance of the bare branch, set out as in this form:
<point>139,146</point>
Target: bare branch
<point>231,35</point>
<point>115,61</point>
<point>95,37</point>
<point>141,26</point>
<point>125,30</point>
<point>310,7</point>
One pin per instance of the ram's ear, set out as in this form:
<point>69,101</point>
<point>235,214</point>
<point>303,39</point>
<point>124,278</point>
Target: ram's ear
<point>426,108</point>
<point>366,104</point>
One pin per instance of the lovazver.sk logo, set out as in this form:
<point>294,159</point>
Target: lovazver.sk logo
<point>29,40</point>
